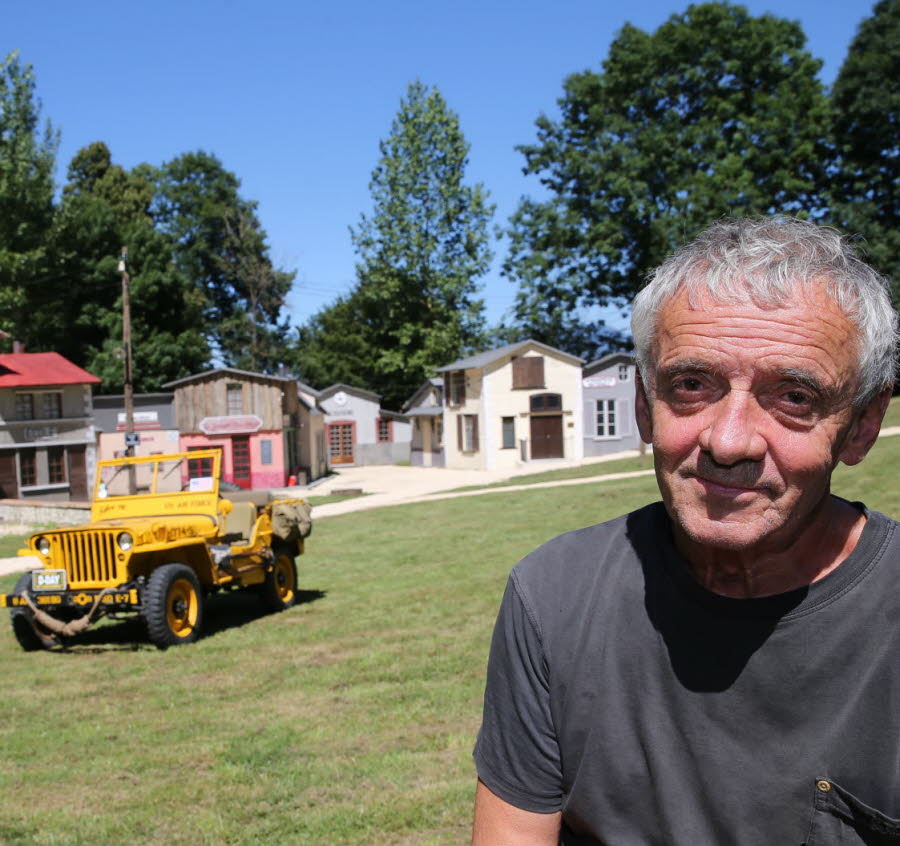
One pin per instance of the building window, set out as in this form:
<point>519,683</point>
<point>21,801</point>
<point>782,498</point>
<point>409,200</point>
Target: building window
<point>27,467</point>
<point>56,465</point>
<point>438,439</point>
<point>235,397</point>
<point>457,394</point>
<point>606,418</point>
<point>51,405</point>
<point>623,372</point>
<point>546,402</point>
<point>528,372</point>
<point>265,451</point>
<point>467,432</point>
<point>24,406</point>
<point>384,430</point>
<point>509,432</point>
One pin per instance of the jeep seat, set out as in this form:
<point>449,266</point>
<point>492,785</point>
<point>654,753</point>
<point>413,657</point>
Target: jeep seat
<point>239,523</point>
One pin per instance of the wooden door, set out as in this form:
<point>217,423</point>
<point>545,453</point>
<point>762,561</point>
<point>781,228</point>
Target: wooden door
<point>340,443</point>
<point>78,482</point>
<point>546,436</point>
<point>9,481</point>
<point>240,461</point>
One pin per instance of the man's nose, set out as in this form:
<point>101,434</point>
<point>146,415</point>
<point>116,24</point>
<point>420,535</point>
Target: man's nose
<point>733,433</point>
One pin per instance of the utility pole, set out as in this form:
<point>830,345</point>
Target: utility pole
<point>126,345</point>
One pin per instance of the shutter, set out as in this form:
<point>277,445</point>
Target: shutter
<point>518,375</point>
<point>459,432</point>
<point>625,417</point>
<point>537,371</point>
<point>474,433</point>
<point>590,418</point>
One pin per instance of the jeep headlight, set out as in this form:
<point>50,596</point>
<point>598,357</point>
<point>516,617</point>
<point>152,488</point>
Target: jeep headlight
<point>125,541</point>
<point>43,545</point>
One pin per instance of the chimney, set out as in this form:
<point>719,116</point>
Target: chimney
<point>18,347</point>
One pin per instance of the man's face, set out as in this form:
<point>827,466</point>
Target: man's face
<point>749,410</point>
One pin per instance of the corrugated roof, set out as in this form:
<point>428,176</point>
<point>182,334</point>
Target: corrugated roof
<point>25,370</point>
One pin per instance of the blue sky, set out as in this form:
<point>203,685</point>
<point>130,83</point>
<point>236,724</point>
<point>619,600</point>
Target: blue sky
<point>294,97</point>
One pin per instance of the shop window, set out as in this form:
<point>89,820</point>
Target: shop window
<point>235,397</point>
<point>457,393</point>
<point>606,418</point>
<point>27,468</point>
<point>56,465</point>
<point>509,432</point>
<point>546,402</point>
<point>265,451</point>
<point>24,406</point>
<point>384,430</point>
<point>51,405</point>
<point>467,432</point>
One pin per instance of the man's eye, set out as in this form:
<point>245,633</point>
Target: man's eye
<point>687,384</point>
<point>797,401</point>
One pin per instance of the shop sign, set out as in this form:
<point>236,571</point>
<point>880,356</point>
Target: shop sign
<point>232,424</point>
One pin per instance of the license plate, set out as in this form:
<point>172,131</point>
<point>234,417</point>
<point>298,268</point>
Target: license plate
<point>48,580</point>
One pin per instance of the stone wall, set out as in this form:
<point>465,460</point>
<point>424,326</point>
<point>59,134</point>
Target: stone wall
<point>36,513</point>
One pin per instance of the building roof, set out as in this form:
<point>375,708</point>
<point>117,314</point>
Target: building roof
<point>609,360</point>
<point>483,359</point>
<point>245,374</point>
<point>27,370</point>
<point>425,411</point>
<point>331,390</point>
<point>434,383</point>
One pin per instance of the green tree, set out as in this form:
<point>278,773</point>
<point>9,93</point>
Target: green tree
<point>716,112</point>
<point>27,161</point>
<point>219,244</point>
<point>422,250</point>
<point>103,208</point>
<point>866,128</point>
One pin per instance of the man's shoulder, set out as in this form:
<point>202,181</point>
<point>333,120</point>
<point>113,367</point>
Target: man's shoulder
<point>574,562</point>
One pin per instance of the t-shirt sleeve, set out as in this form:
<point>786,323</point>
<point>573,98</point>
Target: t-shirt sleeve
<point>516,753</point>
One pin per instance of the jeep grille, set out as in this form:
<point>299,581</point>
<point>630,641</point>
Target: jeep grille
<point>89,558</point>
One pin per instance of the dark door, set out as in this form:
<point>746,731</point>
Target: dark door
<point>546,436</point>
<point>9,482</point>
<point>78,483</point>
<point>340,443</point>
<point>240,461</point>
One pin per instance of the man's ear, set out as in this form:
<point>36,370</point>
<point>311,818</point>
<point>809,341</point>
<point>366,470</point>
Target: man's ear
<point>864,430</point>
<point>642,410</point>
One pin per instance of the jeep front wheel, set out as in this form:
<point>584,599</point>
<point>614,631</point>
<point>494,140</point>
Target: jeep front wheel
<point>30,634</point>
<point>173,606</point>
<point>279,591</point>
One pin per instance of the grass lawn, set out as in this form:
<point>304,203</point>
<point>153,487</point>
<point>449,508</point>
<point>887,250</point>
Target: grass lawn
<point>348,719</point>
<point>892,418</point>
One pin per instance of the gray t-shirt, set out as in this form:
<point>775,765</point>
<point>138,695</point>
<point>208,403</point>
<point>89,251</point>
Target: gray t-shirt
<point>650,711</point>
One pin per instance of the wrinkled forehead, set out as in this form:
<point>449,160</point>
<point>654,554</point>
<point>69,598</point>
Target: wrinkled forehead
<point>809,325</point>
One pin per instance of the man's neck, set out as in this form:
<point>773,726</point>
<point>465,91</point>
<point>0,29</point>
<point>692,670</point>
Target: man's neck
<point>831,535</point>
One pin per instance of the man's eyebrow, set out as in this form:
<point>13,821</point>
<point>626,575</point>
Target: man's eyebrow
<point>684,366</point>
<point>805,379</point>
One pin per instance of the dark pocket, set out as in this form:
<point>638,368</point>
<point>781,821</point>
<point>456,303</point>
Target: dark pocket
<point>840,819</point>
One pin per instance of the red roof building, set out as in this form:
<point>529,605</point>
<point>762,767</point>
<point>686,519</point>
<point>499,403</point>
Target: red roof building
<point>47,438</point>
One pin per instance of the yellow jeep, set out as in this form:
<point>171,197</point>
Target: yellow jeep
<point>161,538</point>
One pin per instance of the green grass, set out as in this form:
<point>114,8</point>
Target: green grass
<point>11,544</point>
<point>326,498</point>
<point>348,719</point>
<point>585,471</point>
<point>892,418</point>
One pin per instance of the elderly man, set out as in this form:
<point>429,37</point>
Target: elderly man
<point>722,667</point>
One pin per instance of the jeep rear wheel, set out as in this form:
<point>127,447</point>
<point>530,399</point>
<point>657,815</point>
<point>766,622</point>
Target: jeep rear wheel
<point>30,634</point>
<point>173,606</point>
<point>279,591</point>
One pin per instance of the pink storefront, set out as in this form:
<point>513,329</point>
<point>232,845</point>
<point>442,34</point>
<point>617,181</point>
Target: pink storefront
<point>253,418</point>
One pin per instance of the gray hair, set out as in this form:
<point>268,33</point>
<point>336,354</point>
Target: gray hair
<point>765,260</point>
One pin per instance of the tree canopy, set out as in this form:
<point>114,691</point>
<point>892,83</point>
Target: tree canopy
<point>717,112</point>
<point>414,306</point>
<point>866,127</point>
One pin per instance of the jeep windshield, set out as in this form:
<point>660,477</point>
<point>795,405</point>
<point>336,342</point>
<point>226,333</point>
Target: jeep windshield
<point>167,475</point>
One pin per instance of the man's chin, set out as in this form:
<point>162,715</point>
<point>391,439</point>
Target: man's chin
<point>730,535</point>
